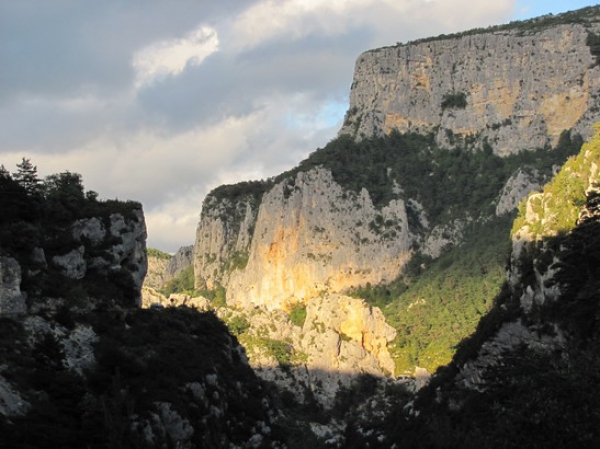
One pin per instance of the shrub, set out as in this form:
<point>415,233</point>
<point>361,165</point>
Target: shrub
<point>238,325</point>
<point>153,252</point>
<point>456,100</point>
<point>298,315</point>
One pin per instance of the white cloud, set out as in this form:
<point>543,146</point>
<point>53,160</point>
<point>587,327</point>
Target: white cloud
<point>292,18</point>
<point>169,58</point>
<point>139,124</point>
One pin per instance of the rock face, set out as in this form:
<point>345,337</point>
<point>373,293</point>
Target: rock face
<point>509,88</point>
<point>157,276</point>
<point>514,87</point>
<point>517,187</point>
<point>223,239</point>
<point>107,253</point>
<point>339,338</point>
<point>535,261</point>
<point>162,268</point>
<point>183,258</point>
<point>107,246</point>
<point>309,236</point>
<point>12,300</point>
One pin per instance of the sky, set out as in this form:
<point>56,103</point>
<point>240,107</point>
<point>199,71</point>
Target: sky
<point>161,101</point>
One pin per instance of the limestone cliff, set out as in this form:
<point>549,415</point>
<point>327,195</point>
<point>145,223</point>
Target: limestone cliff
<point>527,375</point>
<point>182,259</point>
<point>163,269</point>
<point>311,236</point>
<point>429,156</point>
<point>539,253</point>
<point>513,87</point>
<point>107,263</point>
<point>223,236</point>
<point>339,338</point>
<point>325,227</point>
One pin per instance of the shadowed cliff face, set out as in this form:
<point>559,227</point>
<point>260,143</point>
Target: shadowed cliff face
<point>526,377</point>
<point>513,88</point>
<point>129,379</point>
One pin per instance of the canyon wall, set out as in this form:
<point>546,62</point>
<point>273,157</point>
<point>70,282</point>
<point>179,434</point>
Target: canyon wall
<point>512,87</point>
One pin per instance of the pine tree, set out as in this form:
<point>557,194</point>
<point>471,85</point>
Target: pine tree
<point>4,173</point>
<point>27,178</point>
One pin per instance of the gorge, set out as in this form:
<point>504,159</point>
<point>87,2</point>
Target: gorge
<point>429,278</point>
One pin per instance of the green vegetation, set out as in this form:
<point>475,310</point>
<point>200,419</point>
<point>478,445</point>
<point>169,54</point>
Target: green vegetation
<point>381,295</point>
<point>454,100</point>
<point>282,351</point>
<point>238,325</point>
<point>158,254</point>
<point>245,189</point>
<point>182,283</point>
<point>583,16</point>
<point>38,214</point>
<point>218,297</point>
<point>466,178</point>
<point>237,261</point>
<point>558,207</point>
<point>536,396</point>
<point>434,307</point>
<point>298,315</point>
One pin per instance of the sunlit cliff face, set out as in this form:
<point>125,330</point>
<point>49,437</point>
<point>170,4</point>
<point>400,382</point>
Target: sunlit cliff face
<point>557,208</point>
<point>317,238</point>
<point>520,90</point>
<point>546,215</point>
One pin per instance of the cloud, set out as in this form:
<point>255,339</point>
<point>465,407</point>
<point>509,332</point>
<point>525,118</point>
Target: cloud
<point>161,101</point>
<point>172,56</point>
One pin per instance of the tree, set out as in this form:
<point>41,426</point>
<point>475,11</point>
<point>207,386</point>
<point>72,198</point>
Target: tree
<point>4,174</point>
<point>26,176</point>
<point>66,186</point>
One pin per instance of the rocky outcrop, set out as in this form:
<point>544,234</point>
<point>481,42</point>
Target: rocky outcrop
<point>106,246</point>
<point>182,259</point>
<point>520,184</point>
<point>157,276</point>
<point>156,378</point>
<point>11,299</point>
<point>223,239</point>
<point>162,267</point>
<point>568,201</point>
<point>310,235</point>
<point>99,261</point>
<point>554,211</point>
<point>341,337</point>
<point>514,87</point>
